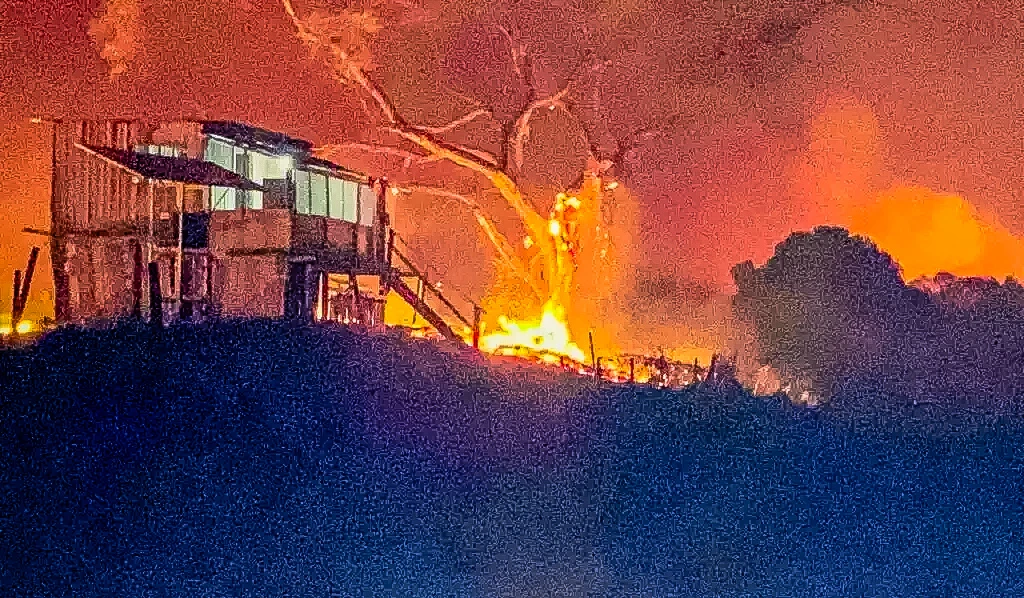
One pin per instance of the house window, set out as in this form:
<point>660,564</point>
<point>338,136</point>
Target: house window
<point>223,198</point>
<point>220,153</point>
<point>367,205</point>
<point>302,192</point>
<point>343,199</point>
<point>159,150</point>
<point>318,194</point>
<point>261,168</point>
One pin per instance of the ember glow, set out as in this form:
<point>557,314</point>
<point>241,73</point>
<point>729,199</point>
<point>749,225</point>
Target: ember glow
<point>24,327</point>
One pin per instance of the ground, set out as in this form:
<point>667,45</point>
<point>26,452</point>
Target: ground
<point>259,459</point>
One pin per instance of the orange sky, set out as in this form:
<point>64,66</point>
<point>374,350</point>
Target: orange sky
<point>942,82</point>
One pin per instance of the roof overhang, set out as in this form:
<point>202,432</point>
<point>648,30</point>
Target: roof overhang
<point>171,169</point>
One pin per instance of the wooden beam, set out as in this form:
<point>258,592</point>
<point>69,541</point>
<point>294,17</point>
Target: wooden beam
<point>22,300</point>
<point>17,297</point>
<point>36,231</point>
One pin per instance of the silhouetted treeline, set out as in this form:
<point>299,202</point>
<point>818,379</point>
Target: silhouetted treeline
<point>832,308</point>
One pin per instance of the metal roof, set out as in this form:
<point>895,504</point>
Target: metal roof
<point>257,137</point>
<point>176,169</point>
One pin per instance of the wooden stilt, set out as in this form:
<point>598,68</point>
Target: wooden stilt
<point>26,284</point>
<point>137,280</point>
<point>353,285</point>
<point>156,299</point>
<point>14,302</point>
<point>593,354</point>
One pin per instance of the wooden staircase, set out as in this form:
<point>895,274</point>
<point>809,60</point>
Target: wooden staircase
<point>395,279</point>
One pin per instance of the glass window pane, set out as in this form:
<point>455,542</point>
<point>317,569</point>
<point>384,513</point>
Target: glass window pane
<point>351,201</point>
<point>220,153</point>
<point>276,167</point>
<point>337,198</point>
<point>254,200</point>
<point>318,194</point>
<point>367,205</point>
<point>222,198</point>
<point>301,192</point>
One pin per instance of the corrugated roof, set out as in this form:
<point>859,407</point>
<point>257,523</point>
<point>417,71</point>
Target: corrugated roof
<point>176,169</point>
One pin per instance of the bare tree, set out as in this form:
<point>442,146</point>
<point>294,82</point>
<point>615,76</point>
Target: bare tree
<point>554,240</point>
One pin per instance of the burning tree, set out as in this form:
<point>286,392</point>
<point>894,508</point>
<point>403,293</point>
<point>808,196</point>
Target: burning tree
<point>576,243</point>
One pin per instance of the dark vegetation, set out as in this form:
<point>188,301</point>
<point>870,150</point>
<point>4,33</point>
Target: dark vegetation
<point>264,460</point>
<point>831,307</point>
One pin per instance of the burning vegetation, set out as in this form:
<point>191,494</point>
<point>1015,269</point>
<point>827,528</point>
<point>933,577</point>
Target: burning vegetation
<point>562,275</point>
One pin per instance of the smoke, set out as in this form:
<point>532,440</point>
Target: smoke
<point>116,33</point>
<point>791,114</point>
<point>842,174</point>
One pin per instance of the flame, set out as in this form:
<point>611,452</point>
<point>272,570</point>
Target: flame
<point>928,232</point>
<point>548,338</point>
<point>24,327</point>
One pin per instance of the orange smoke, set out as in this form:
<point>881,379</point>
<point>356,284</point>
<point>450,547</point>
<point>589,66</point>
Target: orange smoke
<point>116,32</point>
<point>928,232</point>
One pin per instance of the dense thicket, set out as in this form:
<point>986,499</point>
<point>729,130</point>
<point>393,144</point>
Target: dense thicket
<point>831,307</point>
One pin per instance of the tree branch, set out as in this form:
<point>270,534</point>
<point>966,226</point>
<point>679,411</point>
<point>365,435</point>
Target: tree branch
<point>501,243</point>
<point>470,117</point>
<point>522,63</point>
<point>352,72</point>
<point>522,124</point>
<point>335,148</point>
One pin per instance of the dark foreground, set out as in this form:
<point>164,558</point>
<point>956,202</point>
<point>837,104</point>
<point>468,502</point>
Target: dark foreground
<point>261,460</point>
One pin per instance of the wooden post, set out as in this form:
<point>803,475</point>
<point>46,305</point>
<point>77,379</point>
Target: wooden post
<point>58,242</point>
<point>477,318</point>
<point>382,224</point>
<point>386,271</point>
<point>137,279</point>
<point>353,285</point>
<point>419,293</point>
<point>632,366</point>
<point>593,354</point>
<point>156,300</point>
<point>325,292</point>
<point>26,284</point>
<point>17,298</point>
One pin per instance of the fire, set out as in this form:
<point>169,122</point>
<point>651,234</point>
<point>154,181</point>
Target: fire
<point>547,338</point>
<point>928,232</point>
<point>24,327</point>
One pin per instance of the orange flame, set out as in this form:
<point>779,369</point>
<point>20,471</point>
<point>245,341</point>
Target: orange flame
<point>548,338</point>
<point>928,232</point>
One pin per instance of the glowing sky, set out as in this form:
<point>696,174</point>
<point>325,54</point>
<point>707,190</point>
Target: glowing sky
<point>941,83</point>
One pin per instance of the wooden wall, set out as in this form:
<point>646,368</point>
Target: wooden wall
<point>250,285</point>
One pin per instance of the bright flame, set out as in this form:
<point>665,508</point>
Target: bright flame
<point>928,232</point>
<point>24,327</point>
<point>548,338</point>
